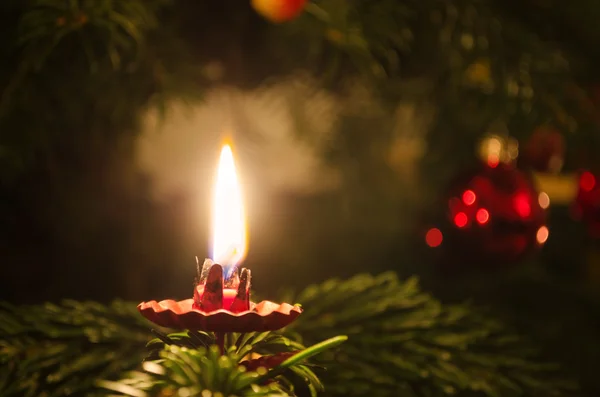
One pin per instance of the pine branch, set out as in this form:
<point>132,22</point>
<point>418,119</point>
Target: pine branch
<point>61,350</point>
<point>404,342</point>
<point>65,350</point>
<point>183,371</point>
<point>401,342</point>
<point>118,27</point>
<point>198,371</point>
<point>283,357</point>
<point>486,65</point>
<point>261,343</point>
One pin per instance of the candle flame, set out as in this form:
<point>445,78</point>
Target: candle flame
<point>229,228</point>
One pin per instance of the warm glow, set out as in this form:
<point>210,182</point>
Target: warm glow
<point>461,220</point>
<point>542,235</point>
<point>483,216</point>
<point>469,197</point>
<point>229,226</point>
<point>521,204</point>
<point>434,237</point>
<point>493,160</point>
<point>494,151</point>
<point>544,200</point>
<point>587,181</point>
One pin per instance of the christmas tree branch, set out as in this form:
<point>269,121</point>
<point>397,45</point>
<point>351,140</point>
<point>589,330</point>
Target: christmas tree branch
<point>401,341</point>
<point>62,349</point>
<point>205,370</point>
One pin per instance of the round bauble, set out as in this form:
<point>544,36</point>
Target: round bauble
<point>495,216</point>
<point>545,150</point>
<point>278,11</point>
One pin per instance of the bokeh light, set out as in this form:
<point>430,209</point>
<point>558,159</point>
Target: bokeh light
<point>434,237</point>
<point>522,206</point>
<point>544,200</point>
<point>469,197</point>
<point>482,216</point>
<point>460,219</point>
<point>542,235</point>
<point>587,181</point>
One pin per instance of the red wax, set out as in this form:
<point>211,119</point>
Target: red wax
<point>229,295</point>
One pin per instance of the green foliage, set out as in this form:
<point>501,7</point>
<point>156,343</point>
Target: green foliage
<point>105,33</point>
<point>51,350</point>
<point>119,26</point>
<point>364,37</point>
<point>401,342</point>
<point>186,372</point>
<point>262,343</point>
<point>116,58</point>
<point>404,342</point>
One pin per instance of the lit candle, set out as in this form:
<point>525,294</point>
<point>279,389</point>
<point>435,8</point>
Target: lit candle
<point>229,243</point>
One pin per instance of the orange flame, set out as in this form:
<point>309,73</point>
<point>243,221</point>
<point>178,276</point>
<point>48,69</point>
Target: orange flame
<point>229,222</point>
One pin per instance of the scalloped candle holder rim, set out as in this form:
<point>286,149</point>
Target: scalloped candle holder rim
<point>186,306</point>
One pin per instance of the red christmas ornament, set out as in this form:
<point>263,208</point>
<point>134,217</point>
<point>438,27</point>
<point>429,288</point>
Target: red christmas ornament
<point>587,202</point>
<point>545,150</point>
<point>279,10</point>
<point>495,216</point>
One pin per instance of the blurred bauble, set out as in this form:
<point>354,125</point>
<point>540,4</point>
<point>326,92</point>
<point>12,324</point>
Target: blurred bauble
<point>495,217</point>
<point>479,73</point>
<point>279,10</point>
<point>545,150</point>
<point>587,204</point>
<point>495,149</point>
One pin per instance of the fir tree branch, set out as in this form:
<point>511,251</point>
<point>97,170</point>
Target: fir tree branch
<point>404,342</point>
<point>184,371</point>
<point>401,342</point>
<point>61,350</point>
<point>190,372</point>
<point>118,27</point>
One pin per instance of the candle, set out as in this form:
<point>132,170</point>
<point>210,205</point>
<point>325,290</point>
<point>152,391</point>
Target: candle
<point>212,294</point>
<point>229,295</point>
<point>221,300</point>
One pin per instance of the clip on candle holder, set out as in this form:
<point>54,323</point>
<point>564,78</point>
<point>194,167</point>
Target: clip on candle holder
<point>220,305</point>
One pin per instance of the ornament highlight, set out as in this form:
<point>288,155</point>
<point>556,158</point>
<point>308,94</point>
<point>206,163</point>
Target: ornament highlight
<point>587,202</point>
<point>278,11</point>
<point>495,149</point>
<point>495,216</point>
<point>434,237</point>
<point>545,150</point>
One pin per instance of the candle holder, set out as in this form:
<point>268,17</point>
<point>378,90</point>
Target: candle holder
<point>220,306</point>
